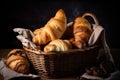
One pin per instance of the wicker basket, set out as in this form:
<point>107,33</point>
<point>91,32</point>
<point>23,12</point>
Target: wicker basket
<point>62,64</point>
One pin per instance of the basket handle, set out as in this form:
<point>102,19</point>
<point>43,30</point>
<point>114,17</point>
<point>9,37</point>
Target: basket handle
<point>86,15</point>
<point>93,16</point>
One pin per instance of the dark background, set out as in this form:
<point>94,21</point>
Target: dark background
<point>34,14</point>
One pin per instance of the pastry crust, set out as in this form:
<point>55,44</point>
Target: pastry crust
<point>53,29</point>
<point>58,45</point>
<point>18,64</point>
<point>82,31</point>
<point>16,51</point>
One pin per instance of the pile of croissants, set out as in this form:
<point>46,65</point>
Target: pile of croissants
<point>54,34</point>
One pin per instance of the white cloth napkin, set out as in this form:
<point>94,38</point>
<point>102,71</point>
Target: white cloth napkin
<point>27,33</point>
<point>25,36</point>
<point>26,42</point>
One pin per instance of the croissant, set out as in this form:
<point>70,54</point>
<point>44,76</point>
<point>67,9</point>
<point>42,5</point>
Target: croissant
<point>18,64</point>
<point>58,45</point>
<point>82,31</point>
<point>16,51</point>
<point>53,29</point>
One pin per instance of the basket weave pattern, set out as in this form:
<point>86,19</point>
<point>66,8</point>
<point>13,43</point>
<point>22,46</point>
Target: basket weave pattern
<point>60,64</point>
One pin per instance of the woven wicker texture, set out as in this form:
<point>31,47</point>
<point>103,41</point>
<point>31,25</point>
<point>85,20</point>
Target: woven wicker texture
<point>61,64</point>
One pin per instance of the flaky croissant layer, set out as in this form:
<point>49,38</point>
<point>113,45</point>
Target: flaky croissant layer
<point>58,45</point>
<point>18,64</point>
<point>53,29</point>
<point>82,31</point>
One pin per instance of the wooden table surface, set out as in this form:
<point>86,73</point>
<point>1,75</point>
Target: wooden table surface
<point>115,53</point>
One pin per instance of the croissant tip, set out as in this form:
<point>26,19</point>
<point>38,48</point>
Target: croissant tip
<point>60,15</point>
<point>60,12</point>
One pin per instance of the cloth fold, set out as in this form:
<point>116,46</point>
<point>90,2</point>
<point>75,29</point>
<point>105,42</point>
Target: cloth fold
<point>26,42</point>
<point>99,33</point>
<point>113,76</point>
<point>27,33</point>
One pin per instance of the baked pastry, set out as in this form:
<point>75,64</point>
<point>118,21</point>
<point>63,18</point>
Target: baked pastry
<point>16,51</point>
<point>82,31</point>
<point>18,64</point>
<point>54,29</point>
<point>77,44</point>
<point>58,45</point>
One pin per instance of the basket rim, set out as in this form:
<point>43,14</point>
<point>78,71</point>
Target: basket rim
<point>36,51</point>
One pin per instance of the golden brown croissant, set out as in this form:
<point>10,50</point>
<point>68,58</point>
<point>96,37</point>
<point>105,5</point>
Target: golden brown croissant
<point>58,45</point>
<point>16,51</point>
<point>18,64</point>
<point>82,31</point>
<point>53,29</point>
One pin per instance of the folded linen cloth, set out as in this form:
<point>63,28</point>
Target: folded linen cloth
<point>99,33</point>
<point>113,76</point>
<point>27,33</point>
<point>8,74</point>
<point>26,42</point>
